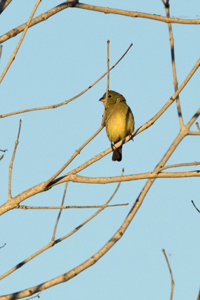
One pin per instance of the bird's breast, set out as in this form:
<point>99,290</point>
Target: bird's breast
<point>116,126</point>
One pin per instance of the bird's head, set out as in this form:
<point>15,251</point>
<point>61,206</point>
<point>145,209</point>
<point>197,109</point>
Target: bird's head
<point>113,97</point>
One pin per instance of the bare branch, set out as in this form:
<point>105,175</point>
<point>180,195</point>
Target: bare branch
<point>171,39</point>
<point>4,4</point>
<point>170,271</point>
<point>133,14</point>
<point>1,157</point>
<point>3,245</point>
<point>20,41</point>
<point>69,206</point>
<point>193,119</point>
<point>106,180</point>
<point>195,206</point>
<point>59,214</point>
<point>67,101</point>
<point>194,133</point>
<point>11,162</point>
<point>36,296</point>
<point>73,156</point>
<point>196,163</point>
<point>104,117</point>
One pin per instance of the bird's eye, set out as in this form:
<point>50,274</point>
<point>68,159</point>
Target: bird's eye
<point>109,96</point>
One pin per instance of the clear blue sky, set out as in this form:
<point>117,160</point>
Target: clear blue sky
<point>58,59</point>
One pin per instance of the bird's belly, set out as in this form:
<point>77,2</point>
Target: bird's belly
<point>116,127</point>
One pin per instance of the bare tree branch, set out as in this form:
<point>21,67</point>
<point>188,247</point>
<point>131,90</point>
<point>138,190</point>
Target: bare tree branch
<point>3,245</point>
<point>170,271</point>
<point>193,119</point>
<point>69,206</point>
<point>4,4</point>
<point>196,163</point>
<point>171,40</point>
<point>20,41</point>
<point>195,206</point>
<point>105,180</point>
<point>11,162</point>
<point>59,214</point>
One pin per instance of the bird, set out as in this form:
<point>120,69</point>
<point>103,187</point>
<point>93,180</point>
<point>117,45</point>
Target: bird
<point>119,121</point>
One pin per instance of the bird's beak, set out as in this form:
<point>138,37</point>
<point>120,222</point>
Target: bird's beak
<point>102,99</point>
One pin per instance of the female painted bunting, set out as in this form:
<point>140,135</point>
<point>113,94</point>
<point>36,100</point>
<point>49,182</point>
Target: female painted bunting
<point>119,121</point>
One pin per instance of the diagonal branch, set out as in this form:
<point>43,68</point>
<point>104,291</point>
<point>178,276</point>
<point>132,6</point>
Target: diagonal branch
<point>4,4</point>
<point>195,206</point>
<point>59,214</point>
<point>11,162</point>
<point>20,41</point>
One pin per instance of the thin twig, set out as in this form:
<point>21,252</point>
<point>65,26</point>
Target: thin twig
<point>197,124</point>
<point>69,206</point>
<point>20,41</point>
<point>71,99</point>
<point>107,89</point>
<point>59,214</point>
<point>170,271</point>
<point>108,76</point>
<point>73,156</point>
<point>36,296</point>
<point>195,206</point>
<point>192,120</point>
<point>52,243</point>
<point>3,245</point>
<point>171,40</point>
<point>11,162</point>
<point>196,163</point>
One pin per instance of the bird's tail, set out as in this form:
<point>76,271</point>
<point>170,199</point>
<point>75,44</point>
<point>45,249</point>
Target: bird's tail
<point>117,154</point>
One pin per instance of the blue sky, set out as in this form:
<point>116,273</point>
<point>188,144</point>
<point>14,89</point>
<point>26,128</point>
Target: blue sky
<point>57,60</point>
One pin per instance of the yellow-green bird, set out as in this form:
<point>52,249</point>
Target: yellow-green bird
<point>120,123</point>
